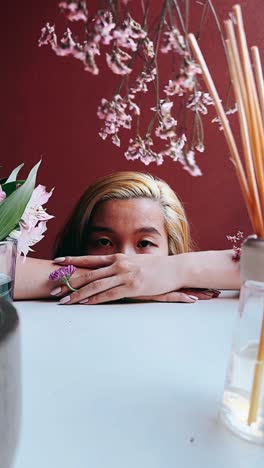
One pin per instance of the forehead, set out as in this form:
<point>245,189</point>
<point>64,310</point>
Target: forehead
<point>134,211</point>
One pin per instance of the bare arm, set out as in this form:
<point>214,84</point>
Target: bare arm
<point>31,280</point>
<point>117,276</point>
<point>211,269</point>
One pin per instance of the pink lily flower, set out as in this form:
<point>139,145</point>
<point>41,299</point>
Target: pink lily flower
<point>29,237</point>
<point>34,211</point>
<point>2,194</point>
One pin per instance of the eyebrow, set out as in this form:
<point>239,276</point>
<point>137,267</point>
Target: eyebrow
<point>143,230</point>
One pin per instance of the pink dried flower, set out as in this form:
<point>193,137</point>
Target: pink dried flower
<point>237,238</point>
<point>236,253</point>
<point>189,164</point>
<point>113,32</point>
<point>140,85</point>
<point>166,128</point>
<point>116,140</point>
<point>230,110</point>
<point>91,49</point>
<point>124,39</point>
<point>75,10</point>
<point>185,81</point>
<point>140,149</point>
<point>135,30</point>
<point>200,147</point>
<point>163,108</point>
<point>148,47</point>
<point>198,101</point>
<point>48,36</point>
<point>132,106</point>
<point>129,34</point>
<point>114,115</point>
<point>103,25</point>
<point>67,44</point>
<point>191,68</point>
<point>116,60</point>
<point>175,87</point>
<point>173,41</point>
<point>174,149</point>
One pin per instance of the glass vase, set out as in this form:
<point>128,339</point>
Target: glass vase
<point>10,390</point>
<point>242,409</point>
<point>8,253</point>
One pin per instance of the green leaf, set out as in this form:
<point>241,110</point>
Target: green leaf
<point>14,173</point>
<point>10,187</point>
<point>13,207</point>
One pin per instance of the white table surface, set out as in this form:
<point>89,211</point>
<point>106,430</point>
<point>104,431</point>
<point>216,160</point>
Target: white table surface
<point>127,386</point>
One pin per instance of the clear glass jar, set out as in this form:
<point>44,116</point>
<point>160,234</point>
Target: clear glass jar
<point>242,409</point>
<point>8,254</point>
<point>10,387</point>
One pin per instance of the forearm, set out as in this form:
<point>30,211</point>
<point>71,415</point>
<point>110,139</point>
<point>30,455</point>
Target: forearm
<point>31,280</point>
<point>210,269</point>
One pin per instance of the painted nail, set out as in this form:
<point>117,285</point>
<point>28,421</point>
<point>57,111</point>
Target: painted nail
<point>59,259</point>
<point>194,298</point>
<point>212,293</point>
<point>65,299</point>
<point>216,292</point>
<point>84,301</point>
<point>55,291</point>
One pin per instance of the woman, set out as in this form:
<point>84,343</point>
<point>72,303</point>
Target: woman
<point>118,217</point>
<point>76,239</point>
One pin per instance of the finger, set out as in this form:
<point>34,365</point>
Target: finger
<point>111,295</point>
<point>202,293</point>
<point>103,290</point>
<point>203,296</point>
<point>86,261</point>
<point>78,281</point>
<point>173,296</point>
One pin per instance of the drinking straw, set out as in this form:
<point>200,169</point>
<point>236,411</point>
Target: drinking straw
<point>258,142</point>
<point>257,380</point>
<point>242,104</point>
<point>250,102</point>
<point>255,115</point>
<point>225,124</point>
<point>259,78</point>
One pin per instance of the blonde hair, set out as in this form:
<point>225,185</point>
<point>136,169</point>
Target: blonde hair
<point>121,186</point>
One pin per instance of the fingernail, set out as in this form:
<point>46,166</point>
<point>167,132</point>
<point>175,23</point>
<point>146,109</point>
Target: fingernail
<point>59,260</point>
<point>194,298</point>
<point>212,293</point>
<point>84,301</point>
<point>65,299</point>
<point>55,291</point>
<point>216,293</point>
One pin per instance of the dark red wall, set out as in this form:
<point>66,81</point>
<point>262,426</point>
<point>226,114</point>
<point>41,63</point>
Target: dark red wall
<point>48,110</point>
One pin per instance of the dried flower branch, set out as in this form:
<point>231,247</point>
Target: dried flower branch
<point>236,240</point>
<point>133,50</point>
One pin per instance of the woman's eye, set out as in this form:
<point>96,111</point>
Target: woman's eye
<point>103,242</point>
<point>144,243</point>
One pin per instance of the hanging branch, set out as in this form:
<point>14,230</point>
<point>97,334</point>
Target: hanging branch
<point>137,51</point>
